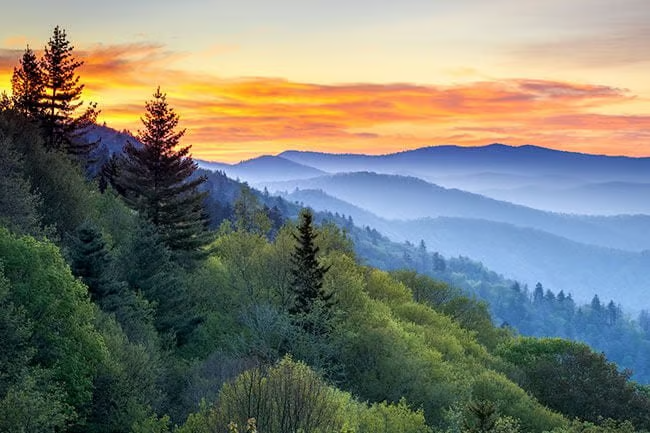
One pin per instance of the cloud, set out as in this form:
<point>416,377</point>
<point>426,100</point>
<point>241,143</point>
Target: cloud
<point>229,118</point>
<point>9,58</point>
<point>610,45</point>
<point>15,41</point>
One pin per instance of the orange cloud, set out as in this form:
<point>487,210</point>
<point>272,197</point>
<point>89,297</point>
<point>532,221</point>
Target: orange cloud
<point>233,119</point>
<point>15,41</point>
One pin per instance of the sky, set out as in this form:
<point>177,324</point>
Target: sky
<point>253,77</point>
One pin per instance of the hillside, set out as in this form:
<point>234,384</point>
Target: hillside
<point>537,177</point>
<point>609,198</point>
<point>139,293</point>
<point>408,198</point>
<point>495,158</point>
<point>522,253</point>
<point>264,169</point>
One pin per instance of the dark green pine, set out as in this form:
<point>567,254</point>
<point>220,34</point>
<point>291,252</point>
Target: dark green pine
<point>307,273</point>
<point>27,85</point>
<point>157,180</point>
<point>89,260</point>
<point>60,99</point>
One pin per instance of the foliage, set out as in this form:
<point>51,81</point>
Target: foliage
<point>307,273</point>
<point>18,204</point>
<point>266,327</point>
<point>583,385</point>
<point>290,397</point>
<point>155,180</point>
<point>59,99</point>
<point>64,337</point>
<point>27,85</point>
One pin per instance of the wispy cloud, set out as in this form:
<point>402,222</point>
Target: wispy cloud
<point>616,46</point>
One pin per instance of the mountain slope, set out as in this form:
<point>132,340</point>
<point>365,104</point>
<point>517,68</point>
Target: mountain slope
<point>525,254</point>
<point>606,198</point>
<point>408,198</point>
<point>498,158</point>
<point>264,168</point>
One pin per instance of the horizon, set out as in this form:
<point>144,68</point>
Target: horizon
<point>253,78</point>
<point>279,154</point>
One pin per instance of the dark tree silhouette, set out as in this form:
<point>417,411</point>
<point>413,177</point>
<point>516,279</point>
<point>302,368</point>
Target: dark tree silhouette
<point>59,99</point>
<point>27,86</point>
<point>156,179</point>
<point>307,273</point>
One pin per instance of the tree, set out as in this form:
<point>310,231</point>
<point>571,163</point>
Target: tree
<point>538,294</point>
<point>65,199</point>
<point>57,305</point>
<point>288,397</point>
<point>584,384</point>
<point>18,205</point>
<point>89,259</point>
<point>481,417</point>
<point>156,180</point>
<point>307,273</point>
<point>59,99</point>
<point>27,85</point>
<point>249,214</point>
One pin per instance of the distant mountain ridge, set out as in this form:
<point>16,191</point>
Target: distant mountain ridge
<point>409,198</point>
<point>527,254</point>
<point>524,160</point>
<point>533,176</point>
<point>264,168</point>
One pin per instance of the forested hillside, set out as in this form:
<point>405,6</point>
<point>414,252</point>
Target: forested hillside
<point>132,300</point>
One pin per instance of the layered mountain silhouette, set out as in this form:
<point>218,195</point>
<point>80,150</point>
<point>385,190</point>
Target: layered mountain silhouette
<point>537,177</point>
<point>409,198</point>
<point>470,202</point>
<point>527,254</point>
<point>263,169</point>
<point>527,161</point>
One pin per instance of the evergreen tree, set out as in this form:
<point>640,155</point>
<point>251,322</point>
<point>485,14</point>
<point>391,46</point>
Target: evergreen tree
<point>596,306</point>
<point>147,267</point>
<point>307,273</point>
<point>59,99</point>
<point>156,180</point>
<point>27,85</point>
<point>538,294</point>
<point>5,102</point>
<point>18,205</point>
<point>89,259</point>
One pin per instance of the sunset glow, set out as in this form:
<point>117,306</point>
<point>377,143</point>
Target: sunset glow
<point>232,114</point>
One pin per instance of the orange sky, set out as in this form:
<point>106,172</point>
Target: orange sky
<point>231,119</point>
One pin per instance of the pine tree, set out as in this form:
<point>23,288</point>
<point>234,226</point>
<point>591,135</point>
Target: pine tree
<point>27,85</point>
<point>307,273</point>
<point>89,260</point>
<point>18,204</point>
<point>538,294</point>
<point>147,267</point>
<point>156,180</point>
<point>60,99</point>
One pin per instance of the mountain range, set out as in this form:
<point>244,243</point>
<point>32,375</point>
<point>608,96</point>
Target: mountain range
<point>491,204</point>
<point>470,202</point>
<point>537,177</point>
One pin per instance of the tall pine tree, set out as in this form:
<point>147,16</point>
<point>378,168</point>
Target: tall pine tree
<point>60,99</point>
<point>307,273</point>
<point>27,86</point>
<point>156,180</point>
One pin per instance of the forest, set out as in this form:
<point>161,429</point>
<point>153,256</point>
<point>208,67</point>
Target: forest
<point>133,300</point>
